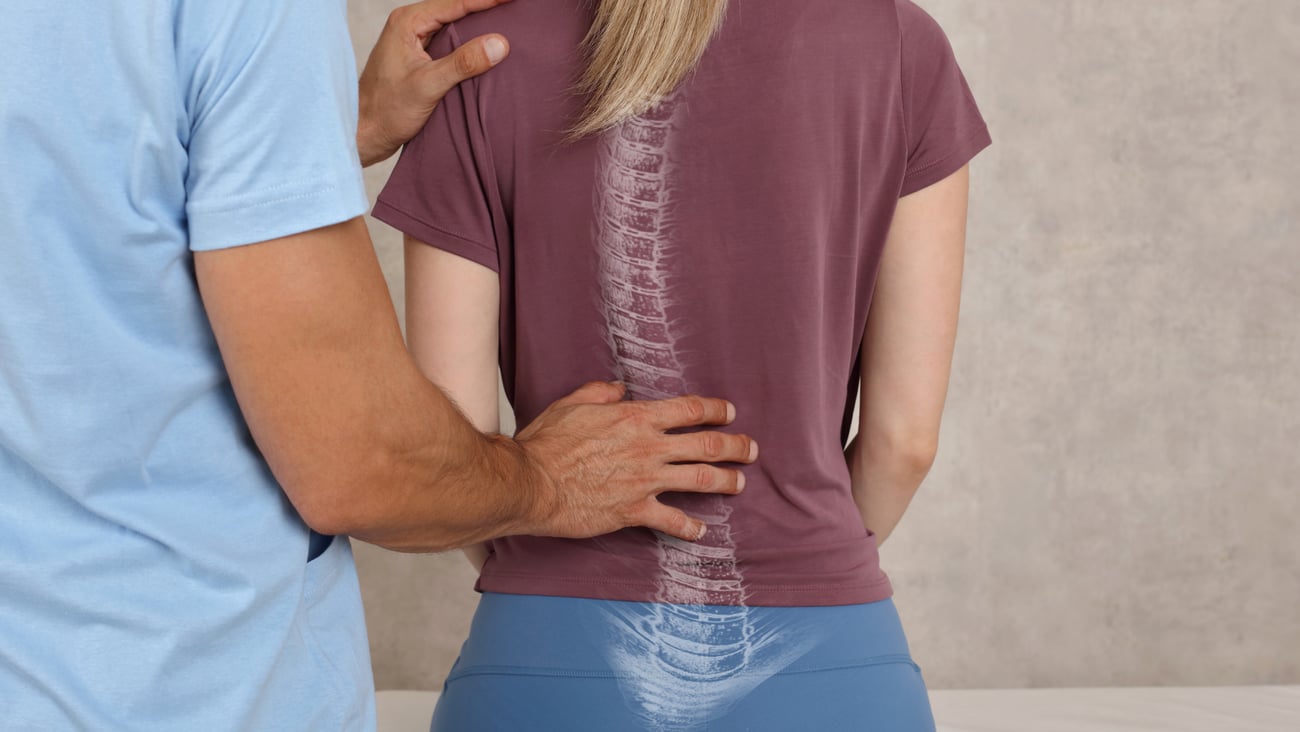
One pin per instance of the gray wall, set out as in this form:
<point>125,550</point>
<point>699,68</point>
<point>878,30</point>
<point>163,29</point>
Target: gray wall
<point>1114,500</point>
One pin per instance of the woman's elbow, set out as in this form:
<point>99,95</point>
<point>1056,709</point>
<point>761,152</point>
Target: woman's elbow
<point>906,452</point>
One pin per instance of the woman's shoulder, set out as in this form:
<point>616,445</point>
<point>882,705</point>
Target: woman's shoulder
<point>534,28</point>
<point>918,29</point>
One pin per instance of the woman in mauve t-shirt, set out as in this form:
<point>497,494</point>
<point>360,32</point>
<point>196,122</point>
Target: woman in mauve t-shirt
<point>752,200</point>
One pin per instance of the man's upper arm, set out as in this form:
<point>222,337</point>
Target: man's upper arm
<point>311,342</point>
<point>269,125</point>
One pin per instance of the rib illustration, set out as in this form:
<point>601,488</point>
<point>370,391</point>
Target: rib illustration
<point>689,656</point>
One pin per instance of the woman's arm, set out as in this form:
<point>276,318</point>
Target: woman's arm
<point>907,351</point>
<point>451,330</point>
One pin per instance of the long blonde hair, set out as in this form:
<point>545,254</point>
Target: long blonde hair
<point>638,51</point>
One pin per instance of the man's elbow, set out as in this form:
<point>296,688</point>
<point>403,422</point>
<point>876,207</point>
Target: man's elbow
<point>355,502</point>
<point>327,509</point>
<point>337,499</point>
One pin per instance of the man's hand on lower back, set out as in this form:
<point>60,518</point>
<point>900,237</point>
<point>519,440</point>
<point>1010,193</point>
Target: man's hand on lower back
<point>401,85</point>
<point>603,462</point>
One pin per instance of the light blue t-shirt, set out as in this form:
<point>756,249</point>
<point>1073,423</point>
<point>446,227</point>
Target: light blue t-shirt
<point>153,576</point>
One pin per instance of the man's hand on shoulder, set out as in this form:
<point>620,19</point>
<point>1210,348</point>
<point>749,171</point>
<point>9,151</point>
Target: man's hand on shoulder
<point>401,84</point>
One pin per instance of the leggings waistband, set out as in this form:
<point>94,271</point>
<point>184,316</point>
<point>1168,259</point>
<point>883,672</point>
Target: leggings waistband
<point>559,636</point>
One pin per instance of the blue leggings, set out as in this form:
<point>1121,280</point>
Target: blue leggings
<point>537,664</point>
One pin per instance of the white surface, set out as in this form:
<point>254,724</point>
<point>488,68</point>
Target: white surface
<point>1165,709</point>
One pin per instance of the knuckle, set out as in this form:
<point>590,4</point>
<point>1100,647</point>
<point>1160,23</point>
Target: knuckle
<point>693,408</point>
<point>652,454</point>
<point>632,415</point>
<point>627,517</point>
<point>682,527</point>
<point>703,476</point>
<point>711,444</point>
<point>464,62</point>
<point>672,521</point>
<point>640,514</point>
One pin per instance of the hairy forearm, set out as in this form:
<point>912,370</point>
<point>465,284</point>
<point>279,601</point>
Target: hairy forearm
<point>387,458</point>
<point>360,441</point>
<point>363,444</point>
<point>440,484</point>
<point>884,481</point>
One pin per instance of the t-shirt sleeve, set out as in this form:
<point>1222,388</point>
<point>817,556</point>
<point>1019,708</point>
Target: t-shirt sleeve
<point>943,124</point>
<point>440,191</point>
<point>271,103</point>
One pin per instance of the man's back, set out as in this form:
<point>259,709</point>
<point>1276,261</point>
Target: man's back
<point>152,574</point>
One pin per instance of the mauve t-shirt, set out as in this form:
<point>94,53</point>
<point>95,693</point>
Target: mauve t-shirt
<point>725,243</point>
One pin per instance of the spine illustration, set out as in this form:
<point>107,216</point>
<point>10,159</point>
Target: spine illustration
<point>633,217</point>
<point>679,662</point>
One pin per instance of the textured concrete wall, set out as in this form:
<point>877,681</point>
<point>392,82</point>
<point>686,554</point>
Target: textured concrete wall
<point>1115,498</point>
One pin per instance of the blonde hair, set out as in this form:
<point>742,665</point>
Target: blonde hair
<point>638,52</point>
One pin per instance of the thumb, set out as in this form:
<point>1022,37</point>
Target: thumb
<point>469,60</point>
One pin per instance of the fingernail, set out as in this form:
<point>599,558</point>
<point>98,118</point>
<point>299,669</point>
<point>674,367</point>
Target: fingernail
<point>700,534</point>
<point>731,412</point>
<point>753,451</point>
<point>740,482</point>
<point>495,49</point>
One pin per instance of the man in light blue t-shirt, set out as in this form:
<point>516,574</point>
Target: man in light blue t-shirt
<point>165,560</point>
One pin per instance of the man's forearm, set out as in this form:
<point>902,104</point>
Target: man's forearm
<point>440,483</point>
<point>364,444</point>
<point>360,441</point>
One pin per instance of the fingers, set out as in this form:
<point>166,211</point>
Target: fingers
<point>689,411</point>
<point>426,17</point>
<point>596,392</point>
<point>701,478</point>
<point>673,522</point>
<point>710,447</point>
<point>471,59</point>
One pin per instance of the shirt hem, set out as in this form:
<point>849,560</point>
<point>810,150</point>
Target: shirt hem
<point>284,215</point>
<point>756,595</point>
<point>927,175</point>
<point>436,237</point>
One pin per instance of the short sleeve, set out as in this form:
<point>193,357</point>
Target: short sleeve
<point>440,190</point>
<point>271,103</point>
<point>943,124</point>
